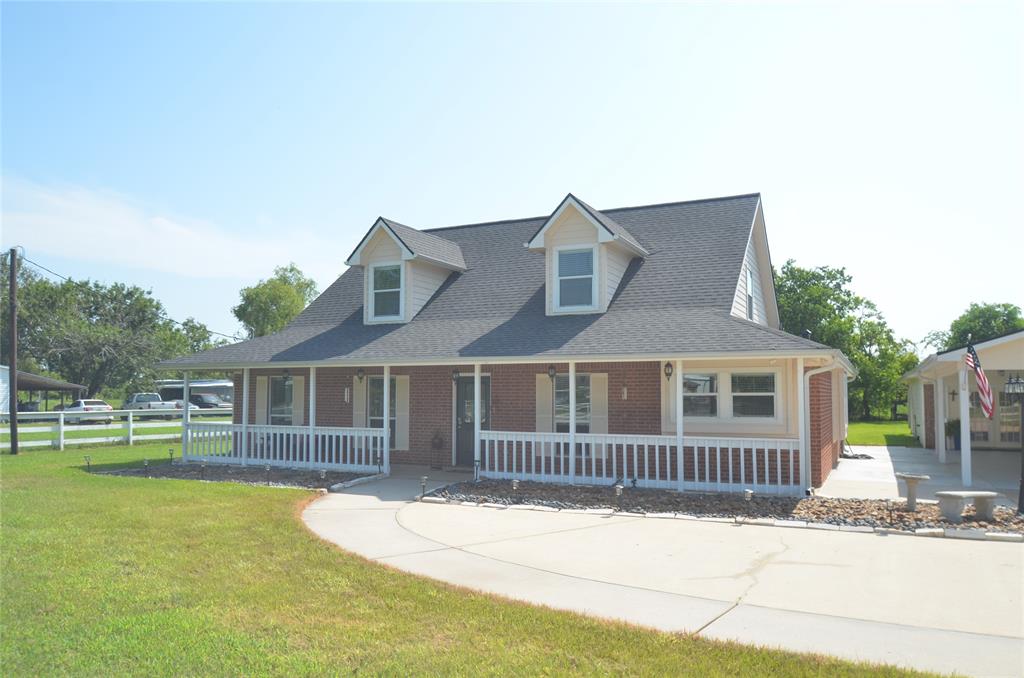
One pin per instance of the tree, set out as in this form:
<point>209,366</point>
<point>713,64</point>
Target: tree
<point>269,305</point>
<point>820,300</point>
<point>979,322</point>
<point>105,337</point>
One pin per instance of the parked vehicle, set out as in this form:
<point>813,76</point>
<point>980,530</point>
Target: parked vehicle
<point>99,408</point>
<point>207,401</point>
<point>148,401</point>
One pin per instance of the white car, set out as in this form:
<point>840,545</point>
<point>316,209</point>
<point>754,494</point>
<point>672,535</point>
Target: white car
<point>97,406</point>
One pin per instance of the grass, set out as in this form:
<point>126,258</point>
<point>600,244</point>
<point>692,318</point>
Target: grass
<point>894,433</point>
<point>107,575</point>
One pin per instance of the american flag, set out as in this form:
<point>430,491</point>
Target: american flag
<point>984,390</point>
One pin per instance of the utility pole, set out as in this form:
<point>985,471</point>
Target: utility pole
<point>12,369</point>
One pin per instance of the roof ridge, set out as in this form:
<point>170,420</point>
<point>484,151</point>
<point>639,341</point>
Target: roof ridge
<point>603,211</point>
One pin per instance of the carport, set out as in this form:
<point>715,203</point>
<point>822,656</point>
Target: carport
<point>34,383</point>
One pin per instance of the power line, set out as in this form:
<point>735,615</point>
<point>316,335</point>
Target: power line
<point>77,282</point>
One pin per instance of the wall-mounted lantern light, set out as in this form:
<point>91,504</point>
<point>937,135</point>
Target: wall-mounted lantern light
<point>551,372</point>
<point>360,374</point>
<point>668,370</point>
<point>455,375</point>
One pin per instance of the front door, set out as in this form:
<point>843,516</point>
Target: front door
<point>464,416</point>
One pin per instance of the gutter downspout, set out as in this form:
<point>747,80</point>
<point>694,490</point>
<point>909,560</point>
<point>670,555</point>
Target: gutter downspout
<point>805,428</point>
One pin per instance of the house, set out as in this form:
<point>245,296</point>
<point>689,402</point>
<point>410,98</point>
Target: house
<point>639,344</point>
<point>941,389</point>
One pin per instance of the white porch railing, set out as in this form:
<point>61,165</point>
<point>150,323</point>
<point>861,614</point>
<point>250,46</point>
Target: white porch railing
<point>322,447</point>
<point>766,465</point>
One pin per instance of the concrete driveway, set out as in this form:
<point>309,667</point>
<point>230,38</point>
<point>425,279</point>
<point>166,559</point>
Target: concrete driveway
<point>936,604</point>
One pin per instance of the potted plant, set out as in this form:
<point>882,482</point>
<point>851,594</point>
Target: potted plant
<point>953,434</point>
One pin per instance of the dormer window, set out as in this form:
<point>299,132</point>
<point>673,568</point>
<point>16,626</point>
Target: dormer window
<point>576,287</point>
<point>386,298</point>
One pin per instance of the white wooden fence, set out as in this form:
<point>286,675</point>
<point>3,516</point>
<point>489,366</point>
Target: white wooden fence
<point>765,465</point>
<point>126,426</point>
<point>320,447</point>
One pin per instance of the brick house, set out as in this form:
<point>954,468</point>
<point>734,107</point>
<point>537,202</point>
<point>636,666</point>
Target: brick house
<point>638,344</point>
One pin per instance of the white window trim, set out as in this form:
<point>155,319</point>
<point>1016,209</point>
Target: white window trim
<point>554,397</point>
<point>401,290</point>
<point>725,394</point>
<point>775,394</point>
<point>270,401</point>
<point>717,394</point>
<point>556,293</point>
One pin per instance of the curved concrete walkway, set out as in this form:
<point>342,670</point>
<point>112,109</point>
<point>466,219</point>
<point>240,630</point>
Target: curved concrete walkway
<point>936,604</point>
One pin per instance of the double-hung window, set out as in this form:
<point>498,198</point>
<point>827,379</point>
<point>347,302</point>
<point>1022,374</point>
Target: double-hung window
<point>753,395</point>
<point>700,395</point>
<point>280,401</point>
<point>375,405</point>
<point>386,294</point>
<point>561,403</point>
<point>574,287</point>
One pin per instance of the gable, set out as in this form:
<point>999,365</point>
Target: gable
<point>756,271</point>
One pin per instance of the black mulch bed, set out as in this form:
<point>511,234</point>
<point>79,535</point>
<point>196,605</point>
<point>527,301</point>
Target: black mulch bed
<point>860,512</point>
<point>250,475</point>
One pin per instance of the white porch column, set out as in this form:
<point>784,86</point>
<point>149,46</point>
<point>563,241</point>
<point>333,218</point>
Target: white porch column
<point>801,406</point>
<point>679,426</point>
<point>387,419</point>
<point>185,418</point>
<point>476,421</point>
<point>312,412</point>
<point>965,427</point>
<point>940,419</point>
<point>572,422</point>
<point>245,415</point>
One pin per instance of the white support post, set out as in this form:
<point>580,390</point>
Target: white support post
<point>965,427</point>
<point>387,420</point>
<point>245,416</point>
<point>312,414</point>
<point>940,418</point>
<point>131,428</point>
<point>679,425</point>
<point>185,418</point>
<point>801,406</point>
<point>476,421</point>
<point>572,422</point>
<point>60,431</point>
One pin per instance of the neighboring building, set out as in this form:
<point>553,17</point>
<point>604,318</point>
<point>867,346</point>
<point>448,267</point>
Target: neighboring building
<point>946,373</point>
<point>466,341</point>
<point>33,383</point>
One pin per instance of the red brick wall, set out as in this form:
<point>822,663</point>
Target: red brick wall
<point>823,444</point>
<point>929,416</point>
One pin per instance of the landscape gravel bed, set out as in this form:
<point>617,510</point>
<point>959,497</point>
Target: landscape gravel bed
<point>851,512</point>
<point>250,475</point>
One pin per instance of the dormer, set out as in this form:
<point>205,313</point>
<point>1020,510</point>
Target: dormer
<point>402,269</point>
<point>586,254</point>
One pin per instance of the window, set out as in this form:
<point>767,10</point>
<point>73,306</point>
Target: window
<point>375,405</point>
<point>387,291</point>
<point>750,296</point>
<point>753,395</point>
<point>700,395</point>
<point>561,403</point>
<point>1009,419</point>
<point>280,401</point>
<point>575,288</point>
<point>979,422</point>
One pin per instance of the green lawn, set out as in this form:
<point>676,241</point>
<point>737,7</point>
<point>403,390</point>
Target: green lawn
<point>109,575</point>
<point>895,433</point>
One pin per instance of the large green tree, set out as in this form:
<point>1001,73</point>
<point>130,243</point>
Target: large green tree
<point>269,305</point>
<point>105,337</point>
<point>820,300</point>
<point>978,323</point>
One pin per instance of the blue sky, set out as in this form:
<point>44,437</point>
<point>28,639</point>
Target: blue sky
<point>189,148</point>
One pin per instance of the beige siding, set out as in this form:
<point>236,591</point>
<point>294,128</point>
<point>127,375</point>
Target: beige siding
<point>424,280</point>
<point>751,263</point>
<point>616,260</point>
<point>571,228</point>
<point>381,248</point>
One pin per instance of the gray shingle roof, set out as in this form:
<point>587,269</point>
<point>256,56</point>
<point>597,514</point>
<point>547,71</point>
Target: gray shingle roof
<point>675,301</point>
<point>425,244</point>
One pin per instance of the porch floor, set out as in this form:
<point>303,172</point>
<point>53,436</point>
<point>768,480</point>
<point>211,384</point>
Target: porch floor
<point>994,470</point>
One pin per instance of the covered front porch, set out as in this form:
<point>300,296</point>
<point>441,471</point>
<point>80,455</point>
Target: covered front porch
<point>771,425</point>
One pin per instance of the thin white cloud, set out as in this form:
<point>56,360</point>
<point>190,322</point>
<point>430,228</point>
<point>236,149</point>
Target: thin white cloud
<point>109,228</point>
